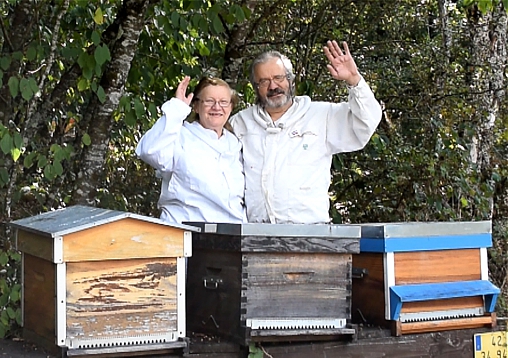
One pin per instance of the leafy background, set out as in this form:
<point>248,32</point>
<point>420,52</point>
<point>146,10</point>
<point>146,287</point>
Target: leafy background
<point>82,80</point>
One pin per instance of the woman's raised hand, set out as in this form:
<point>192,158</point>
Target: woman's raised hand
<point>182,89</point>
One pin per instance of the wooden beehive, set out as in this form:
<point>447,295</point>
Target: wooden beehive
<point>97,280</point>
<point>265,282</point>
<point>424,277</point>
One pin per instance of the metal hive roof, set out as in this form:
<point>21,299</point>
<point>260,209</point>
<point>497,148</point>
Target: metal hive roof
<point>76,218</point>
<point>281,230</point>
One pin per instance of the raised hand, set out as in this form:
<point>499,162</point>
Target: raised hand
<point>342,66</point>
<point>182,89</point>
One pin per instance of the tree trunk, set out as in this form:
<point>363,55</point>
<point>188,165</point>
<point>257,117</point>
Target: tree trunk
<point>98,121</point>
<point>235,48</point>
<point>488,58</point>
<point>446,33</point>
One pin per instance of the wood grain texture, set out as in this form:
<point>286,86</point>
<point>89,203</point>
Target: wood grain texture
<point>263,285</point>
<point>437,266</point>
<point>121,298</point>
<point>35,245</point>
<point>368,298</point>
<point>292,285</point>
<point>200,345</point>
<point>39,299</point>
<point>274,244</point>
<point>299,334</point>
<point>446,344</point>
<point>123,239</point>
<point>441,305</point>
<point>368,303</point>
<point>449,324</point>
<point>300,244</point>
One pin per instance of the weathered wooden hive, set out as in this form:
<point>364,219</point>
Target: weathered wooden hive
<point>424,277</point>
<point>97,280</point>
<point>266,282</point>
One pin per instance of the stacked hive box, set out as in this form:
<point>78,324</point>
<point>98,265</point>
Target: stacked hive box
<point>425,277</point>
<point>97,280</point>
<point>264,282</point>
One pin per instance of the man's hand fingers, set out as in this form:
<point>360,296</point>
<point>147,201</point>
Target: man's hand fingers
<point>346,48</point>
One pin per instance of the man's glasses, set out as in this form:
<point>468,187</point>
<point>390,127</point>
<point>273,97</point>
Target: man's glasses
<point>265,82</point>
<point>211,102</point>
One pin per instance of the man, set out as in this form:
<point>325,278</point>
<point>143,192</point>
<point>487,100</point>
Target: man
<point>288,141</point>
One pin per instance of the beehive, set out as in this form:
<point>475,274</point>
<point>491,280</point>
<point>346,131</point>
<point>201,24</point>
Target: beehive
<point>424,277</point>
<point>267,282</point>
<point>103,280</point>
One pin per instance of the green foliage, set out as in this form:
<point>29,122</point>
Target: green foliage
<point>182,38</point>
<point>38,153</point>
<point>498,263</point>
<point>255,351</point>
<point>416,167</point>
<point>10,292</point>
<point>484,5</point>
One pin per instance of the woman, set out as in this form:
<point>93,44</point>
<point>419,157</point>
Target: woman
<point>200,162</point>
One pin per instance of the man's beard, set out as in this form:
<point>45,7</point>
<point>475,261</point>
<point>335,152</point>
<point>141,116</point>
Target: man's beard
<point>278,102</point>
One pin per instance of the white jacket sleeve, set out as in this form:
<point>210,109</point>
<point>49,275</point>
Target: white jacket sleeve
<point>350,125</point>
<point>157,146</point>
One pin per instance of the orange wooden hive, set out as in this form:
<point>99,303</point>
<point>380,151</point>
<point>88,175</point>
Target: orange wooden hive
<point>97,280</point>
<point>424,277</point>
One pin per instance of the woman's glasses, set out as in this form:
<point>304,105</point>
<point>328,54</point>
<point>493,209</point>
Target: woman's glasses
<point>211,102</point>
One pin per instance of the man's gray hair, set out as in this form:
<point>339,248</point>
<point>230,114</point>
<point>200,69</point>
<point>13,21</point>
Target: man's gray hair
<point>265,57</point>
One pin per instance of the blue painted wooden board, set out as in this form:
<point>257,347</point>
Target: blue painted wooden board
<point>445,290</point>
<point>425,243</point>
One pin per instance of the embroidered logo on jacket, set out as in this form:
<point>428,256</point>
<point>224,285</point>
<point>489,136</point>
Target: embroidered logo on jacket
<point>295,133</point>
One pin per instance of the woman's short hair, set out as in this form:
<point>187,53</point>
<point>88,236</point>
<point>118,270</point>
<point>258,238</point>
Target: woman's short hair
<point>212,81</point>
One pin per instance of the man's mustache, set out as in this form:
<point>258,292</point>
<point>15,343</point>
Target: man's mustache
<point>275,91</point>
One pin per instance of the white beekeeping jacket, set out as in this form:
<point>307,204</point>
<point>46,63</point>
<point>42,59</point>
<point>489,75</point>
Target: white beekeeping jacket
<point>202,175</point>
<point>287,163</point>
